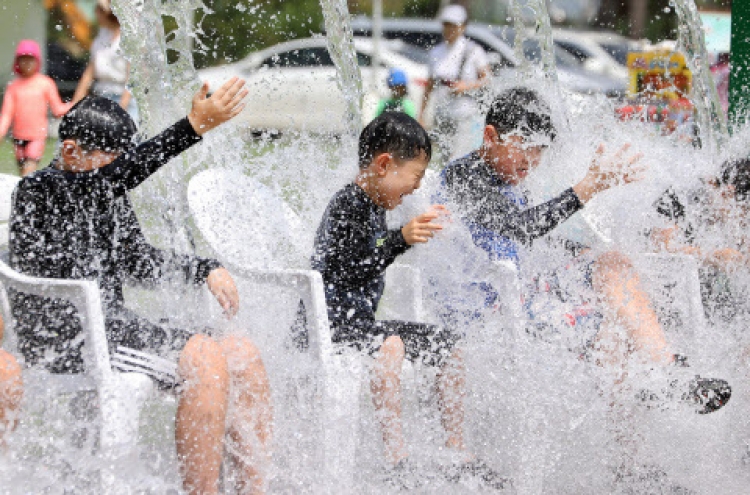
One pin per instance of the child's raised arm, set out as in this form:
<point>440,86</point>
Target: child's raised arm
<point>225,104</point>
<point>422,228</point>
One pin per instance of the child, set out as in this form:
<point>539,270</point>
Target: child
<point>399,100</point>
<point>353,248</point>
<point>25,107</point>
<point>486,189</point>
<point>74,220</point>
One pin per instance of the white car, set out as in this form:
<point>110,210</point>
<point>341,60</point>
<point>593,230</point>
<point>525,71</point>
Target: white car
<point>294,85</point>
<point>604,52</point>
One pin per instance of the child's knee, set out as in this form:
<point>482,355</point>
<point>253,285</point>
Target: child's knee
<point>612,267</point>
<point>242,349</point>
<point>393,347</point>
<point>613,261</point>
<point>243,358</point>
<point>9,367</point>
<point>202,360</point>
<point>11,382</point>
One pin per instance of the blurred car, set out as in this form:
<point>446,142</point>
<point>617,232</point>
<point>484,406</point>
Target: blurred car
<point>589,48</point>
<point>426,33</point>
<point>616,45</point>
<point>571,73</point>
<point>497,41</point>
<point>294,85</point>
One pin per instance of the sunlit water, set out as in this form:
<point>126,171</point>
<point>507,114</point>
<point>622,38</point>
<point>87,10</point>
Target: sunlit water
<point>535,411</point>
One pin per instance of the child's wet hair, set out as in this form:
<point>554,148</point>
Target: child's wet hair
<point>737,173</point>
<point>98,123</point>
<point>520,110</point>
<point>395,133</point>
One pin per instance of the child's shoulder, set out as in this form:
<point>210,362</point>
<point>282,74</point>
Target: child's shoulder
<point>40,179</point>
<point>348,199</point>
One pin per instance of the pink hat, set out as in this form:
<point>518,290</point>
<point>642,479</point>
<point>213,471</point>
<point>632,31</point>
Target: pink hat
<point>30,48</point>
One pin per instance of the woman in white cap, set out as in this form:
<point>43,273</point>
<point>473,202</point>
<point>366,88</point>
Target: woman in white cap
<point>107,72</point>
<point>458,70</point>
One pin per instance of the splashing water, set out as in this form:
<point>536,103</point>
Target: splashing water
<point>712,122</point>
<point>341,46</point>
<point>541,29</point>
<point>535,411</point>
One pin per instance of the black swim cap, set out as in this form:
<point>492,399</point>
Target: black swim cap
<point>98,123</point>
<point>520,110</point>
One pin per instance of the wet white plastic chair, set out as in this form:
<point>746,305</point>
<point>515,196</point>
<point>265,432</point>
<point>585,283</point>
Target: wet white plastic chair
<point>7,185</point>
<point>673,282</point>
<point>263,243</point>
<point>120,395</point>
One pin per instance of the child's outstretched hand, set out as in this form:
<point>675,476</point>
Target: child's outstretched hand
<point>222,286</point>
<point>225,104</point>
<point>606,172</point>
<point>422,228</point>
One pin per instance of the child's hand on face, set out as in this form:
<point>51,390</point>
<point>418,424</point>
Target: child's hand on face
<point>226,103</point>
<point>608,172</point>
<point>423,227</point>
<point>222,286</point>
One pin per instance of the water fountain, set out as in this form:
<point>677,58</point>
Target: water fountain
<point>535,411</point>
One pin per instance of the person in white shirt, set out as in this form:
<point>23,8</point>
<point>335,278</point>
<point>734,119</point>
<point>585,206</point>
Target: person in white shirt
<point>458,69</point>
<point>107,72</point>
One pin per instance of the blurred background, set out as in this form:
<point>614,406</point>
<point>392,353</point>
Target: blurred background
<point>232,29</point>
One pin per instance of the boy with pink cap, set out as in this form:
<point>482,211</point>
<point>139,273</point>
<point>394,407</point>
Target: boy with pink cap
<point>25,106</point>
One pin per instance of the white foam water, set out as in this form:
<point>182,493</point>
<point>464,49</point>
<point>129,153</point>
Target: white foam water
<point>553,420</point>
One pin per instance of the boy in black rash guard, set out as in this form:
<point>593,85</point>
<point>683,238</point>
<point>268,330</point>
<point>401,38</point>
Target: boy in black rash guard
<point>74,220</point>
<point>353,248</point>
<point>485,188</point>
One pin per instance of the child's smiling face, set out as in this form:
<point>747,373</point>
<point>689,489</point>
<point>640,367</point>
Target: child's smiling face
<point>397,177</point>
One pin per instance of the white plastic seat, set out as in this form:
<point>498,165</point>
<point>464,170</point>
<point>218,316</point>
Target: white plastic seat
<point>120,395</point>
<point>258,238</point>
<point>7,185</point>
<point>673,283</point>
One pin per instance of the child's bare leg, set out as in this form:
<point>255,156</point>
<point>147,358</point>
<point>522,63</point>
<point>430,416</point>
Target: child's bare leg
<point>618,284</point>
<point>28,167</point>
<point>251,413</point>
<point>451,384</point>
<point>11,393</point>
<point>201,414</point>
<point>386,395</point>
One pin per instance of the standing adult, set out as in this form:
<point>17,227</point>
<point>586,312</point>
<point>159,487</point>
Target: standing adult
<point>107,72</point>
<point>458,69</point>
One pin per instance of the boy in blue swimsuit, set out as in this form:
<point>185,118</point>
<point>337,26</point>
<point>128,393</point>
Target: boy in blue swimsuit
<point>485,190</point>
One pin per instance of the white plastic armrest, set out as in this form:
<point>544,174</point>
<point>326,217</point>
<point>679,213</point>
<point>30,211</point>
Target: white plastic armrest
<point>309,285</point>
<point>84,295</point>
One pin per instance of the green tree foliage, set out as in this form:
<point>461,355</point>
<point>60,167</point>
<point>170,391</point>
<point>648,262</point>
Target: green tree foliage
<point>231,29</point>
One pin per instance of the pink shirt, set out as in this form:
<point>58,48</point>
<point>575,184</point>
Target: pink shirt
<point>25,107</point>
